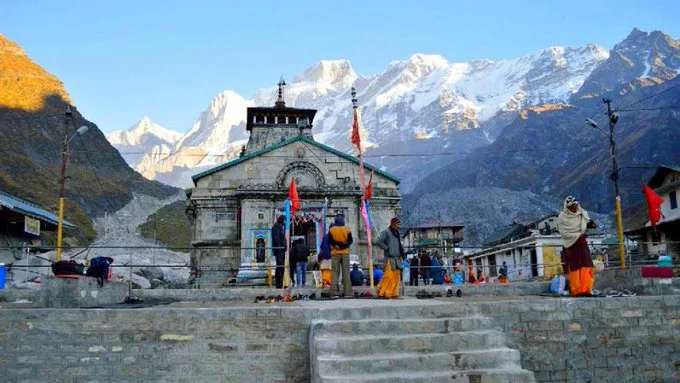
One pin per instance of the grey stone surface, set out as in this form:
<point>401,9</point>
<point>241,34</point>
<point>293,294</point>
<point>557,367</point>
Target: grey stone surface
<point>559,339</point>
<point>81,292</point>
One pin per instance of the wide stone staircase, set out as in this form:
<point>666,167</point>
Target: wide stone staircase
<point>413,349</point>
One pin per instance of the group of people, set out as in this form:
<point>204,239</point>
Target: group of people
<point>298,257</point>
<point>334,257</point>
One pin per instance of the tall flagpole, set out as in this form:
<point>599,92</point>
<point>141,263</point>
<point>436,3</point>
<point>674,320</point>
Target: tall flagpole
<point>364,213</point>
<point>286,268</point>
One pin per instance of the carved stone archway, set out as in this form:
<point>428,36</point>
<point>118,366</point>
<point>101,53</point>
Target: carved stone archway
<point>307,176</point>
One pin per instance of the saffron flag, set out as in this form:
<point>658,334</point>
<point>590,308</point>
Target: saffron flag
<point>293,196</point>
<point>369,189</point>
<point>356,140</point>
<point>653,205</point>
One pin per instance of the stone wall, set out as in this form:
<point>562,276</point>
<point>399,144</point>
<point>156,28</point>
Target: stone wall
<point>594,339</point>
<point>160,344</point>
<point>80,292</point>
<point>598,339</point>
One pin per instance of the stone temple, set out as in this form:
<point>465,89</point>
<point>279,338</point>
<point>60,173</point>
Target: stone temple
<point>233,206</point>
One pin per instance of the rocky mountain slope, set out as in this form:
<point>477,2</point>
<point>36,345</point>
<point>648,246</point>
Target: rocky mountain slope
<point>549,151</point>
<point>424,104</point>
<point>142,137</point>
<point>32,120</point>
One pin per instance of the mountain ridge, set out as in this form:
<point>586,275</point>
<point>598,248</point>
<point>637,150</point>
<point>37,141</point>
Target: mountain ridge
<point>424,103</point>
<point>33,103</point>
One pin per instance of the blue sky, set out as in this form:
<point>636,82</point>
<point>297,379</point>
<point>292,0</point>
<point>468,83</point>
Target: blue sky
<point>121,60</point>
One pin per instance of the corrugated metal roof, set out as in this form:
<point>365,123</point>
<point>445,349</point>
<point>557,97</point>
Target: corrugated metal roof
<point>30,209</point>
<point>505,234</point>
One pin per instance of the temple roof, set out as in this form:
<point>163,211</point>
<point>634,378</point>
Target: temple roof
<point>281,144</point>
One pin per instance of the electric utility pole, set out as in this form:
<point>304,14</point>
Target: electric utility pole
<point>613,118</point>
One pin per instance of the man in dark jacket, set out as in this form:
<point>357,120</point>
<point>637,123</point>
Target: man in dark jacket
<point>414,271</point>
<point>425,263</point>
<point>356,276</point>
<point>279,246</point>
<point>299,256</point>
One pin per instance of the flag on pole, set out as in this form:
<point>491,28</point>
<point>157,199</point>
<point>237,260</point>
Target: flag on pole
<point>286,269</point>
<point>356,139</point>
<point>654,202</point>
<point>368,213</point>
<point>369,188</point>
<point>293,196</point>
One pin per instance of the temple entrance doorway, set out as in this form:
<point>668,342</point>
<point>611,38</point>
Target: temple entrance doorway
<point>305,228</point>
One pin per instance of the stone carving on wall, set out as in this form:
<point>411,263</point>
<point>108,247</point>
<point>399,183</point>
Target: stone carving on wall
<point>307,176</point>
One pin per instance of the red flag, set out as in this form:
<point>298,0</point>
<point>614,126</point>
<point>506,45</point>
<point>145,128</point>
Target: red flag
<point>653,204</point>
<point>356,140</point>
<point>369,189</point>
<point>293,197</point>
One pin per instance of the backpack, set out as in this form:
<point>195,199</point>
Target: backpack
<point>69,267</point>
<point>99,268</point>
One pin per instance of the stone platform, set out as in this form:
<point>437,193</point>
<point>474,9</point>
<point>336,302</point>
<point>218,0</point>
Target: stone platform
<point>558,339</point>
<point>82,292</point>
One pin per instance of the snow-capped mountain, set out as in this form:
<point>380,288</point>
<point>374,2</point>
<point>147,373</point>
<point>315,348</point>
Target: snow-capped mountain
<point>216,137</point>
<point>424,104</point>
<point>142,137</point>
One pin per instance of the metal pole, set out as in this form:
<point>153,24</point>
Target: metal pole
<point>613,118</point>
<point>362,208</point>
<point>62,181</point>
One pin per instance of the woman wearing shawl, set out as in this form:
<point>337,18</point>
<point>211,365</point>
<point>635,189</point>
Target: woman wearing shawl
<point>390,242</point>
<point>572,224</point>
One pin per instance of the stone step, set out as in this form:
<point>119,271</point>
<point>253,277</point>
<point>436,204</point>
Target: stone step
<point>401,326</point>
<point>461,361</point>
<point>407,308</point>
<point>423,343</point>
<point>508,375</point>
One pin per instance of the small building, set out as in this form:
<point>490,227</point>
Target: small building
<point>234,205</point>
<point>434,234</point>
<point>22,225</point>
<point>527,247</point>
<point>665,239</point>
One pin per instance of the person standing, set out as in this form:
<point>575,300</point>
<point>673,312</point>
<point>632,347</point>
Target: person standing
<point>279,246</point>
<point>325,260</point>
<point>425,264</point>
<point>572,224</point>
<point>300,254</point>
<point>503,273</point>
<point>340,239</point>
<point>390,242</point>
<point>414,271</point>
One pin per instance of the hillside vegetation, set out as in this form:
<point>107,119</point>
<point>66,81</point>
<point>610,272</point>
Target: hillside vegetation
<point>170,225</point>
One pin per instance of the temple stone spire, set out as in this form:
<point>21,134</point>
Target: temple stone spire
<point>280,102</point>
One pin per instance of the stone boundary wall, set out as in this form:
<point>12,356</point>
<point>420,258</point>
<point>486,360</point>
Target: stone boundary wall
<point>561,339</point>
<point>149,345</point>
<point>633,339</point>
